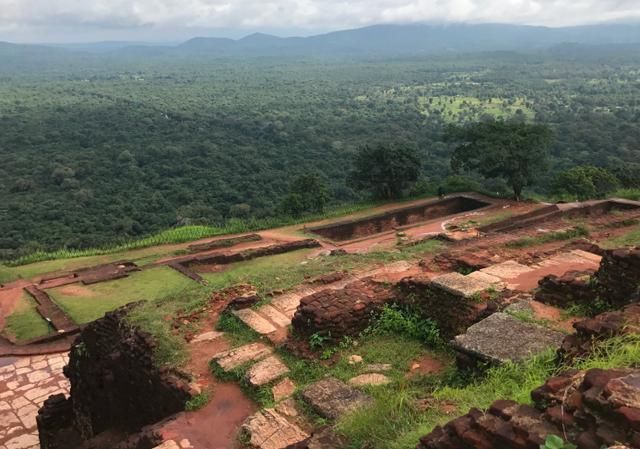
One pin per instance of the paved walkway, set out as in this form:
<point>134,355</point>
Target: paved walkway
<point>25,383</point>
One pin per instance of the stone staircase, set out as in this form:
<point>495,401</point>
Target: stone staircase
<point>273,320</point>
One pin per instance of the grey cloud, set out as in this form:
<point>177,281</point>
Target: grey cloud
<point>300,14</point>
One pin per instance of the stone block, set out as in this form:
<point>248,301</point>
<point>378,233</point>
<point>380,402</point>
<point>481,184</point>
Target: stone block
<point>332,398</point>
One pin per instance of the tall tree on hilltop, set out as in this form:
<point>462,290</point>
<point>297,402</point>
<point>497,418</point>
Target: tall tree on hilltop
<point>385,170</point>
<point>514,151</point>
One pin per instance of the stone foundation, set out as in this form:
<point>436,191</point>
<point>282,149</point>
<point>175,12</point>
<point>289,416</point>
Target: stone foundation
<point>116,389</point>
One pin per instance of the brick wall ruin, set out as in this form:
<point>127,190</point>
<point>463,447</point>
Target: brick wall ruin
<point>599,408</point>
<point>617,282</point>
<point>344,312</point>
<point>388,221</point>
<point>116,389</point>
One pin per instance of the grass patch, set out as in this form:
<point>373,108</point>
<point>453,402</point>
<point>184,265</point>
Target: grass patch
<point>556,236</point>
<point>629,239</point>
<point>235,330</point>
<point>25,322</point>
<point>284,271</point>
<point>198,401</point>
<point>395,422</point>
<point>7,275</point>
<point>92,302</point>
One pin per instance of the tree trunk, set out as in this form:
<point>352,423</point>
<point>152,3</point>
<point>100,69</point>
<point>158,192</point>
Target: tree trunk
<point>517,192</point>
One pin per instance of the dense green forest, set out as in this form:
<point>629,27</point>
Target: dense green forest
<point>104,149</point>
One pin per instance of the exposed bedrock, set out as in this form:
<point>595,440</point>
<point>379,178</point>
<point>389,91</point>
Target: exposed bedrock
<point>593,409</point>
<point>116,389</point>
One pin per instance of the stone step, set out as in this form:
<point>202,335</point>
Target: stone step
<point>371,379</point>
<point>252,319</point>
<point>460,285</point>
<point>332,398</point>
<point>283,389</point>
<point>274,315</point>
<point>268,429</point>
<point>507,270</point>
<point>233,358</point>
<point>207,336</point>
<point>266,371</point>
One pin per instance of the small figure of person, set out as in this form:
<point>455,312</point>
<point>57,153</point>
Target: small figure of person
<point>440,192</point>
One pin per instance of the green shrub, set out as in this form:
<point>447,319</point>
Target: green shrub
<point>395,320</point>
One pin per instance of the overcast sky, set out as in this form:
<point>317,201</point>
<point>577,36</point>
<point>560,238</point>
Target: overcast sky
<point>173,20</point>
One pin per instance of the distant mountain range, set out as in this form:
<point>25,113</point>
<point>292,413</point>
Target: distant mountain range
<point>372,41</point>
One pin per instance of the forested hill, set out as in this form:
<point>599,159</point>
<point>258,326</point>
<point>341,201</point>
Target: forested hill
<point>99,147</point>
<point>372,41</point>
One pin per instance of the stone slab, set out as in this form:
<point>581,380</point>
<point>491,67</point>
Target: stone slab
<point>283,389</point>
<point>502,337</point>
<point>460,285</point>
<point>233,358</point>
<point>488,278</point>
<point>587,255</point>
<point>207,336</point>
<point>507,270</point>
<point>371,379</point>
<point>251,318</point>
<point>332,398</point>
<point>169,444</point>
<point>266,371</point>
<point>268,429</point>
<point>274,315</point>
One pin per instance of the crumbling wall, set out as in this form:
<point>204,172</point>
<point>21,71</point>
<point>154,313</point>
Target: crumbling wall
<point>453,314</point>
<point>603,326</point>
<point>599,408</point>
<point>115,386</point>
<point>344,312</point>
<point>617,282</point>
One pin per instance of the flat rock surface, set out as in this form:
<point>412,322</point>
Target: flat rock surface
<point>266,370</point>
<point>252,319</point>
<point>372,379</point>
<point>507,270</point>
<point>332,398</point>
<point>268,429</point>
<point>207,336</point>
<point>486,277</point>
<point>283,389</point>
<point>460,285</point>
<point>233,358</point>
<point>502,337</point>
<point>274,315</point>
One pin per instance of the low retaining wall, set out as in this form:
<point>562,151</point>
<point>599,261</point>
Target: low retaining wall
<point>353,229</point>
<point>223,243</point>
<point>224,259</point>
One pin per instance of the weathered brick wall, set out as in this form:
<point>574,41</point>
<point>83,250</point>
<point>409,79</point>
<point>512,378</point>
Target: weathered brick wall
<point>599,408</point>
<point>115,385</point>
<point>452,313</point>
<point>592,330</point>
<point>338,313</point>
<point>617,282</point>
